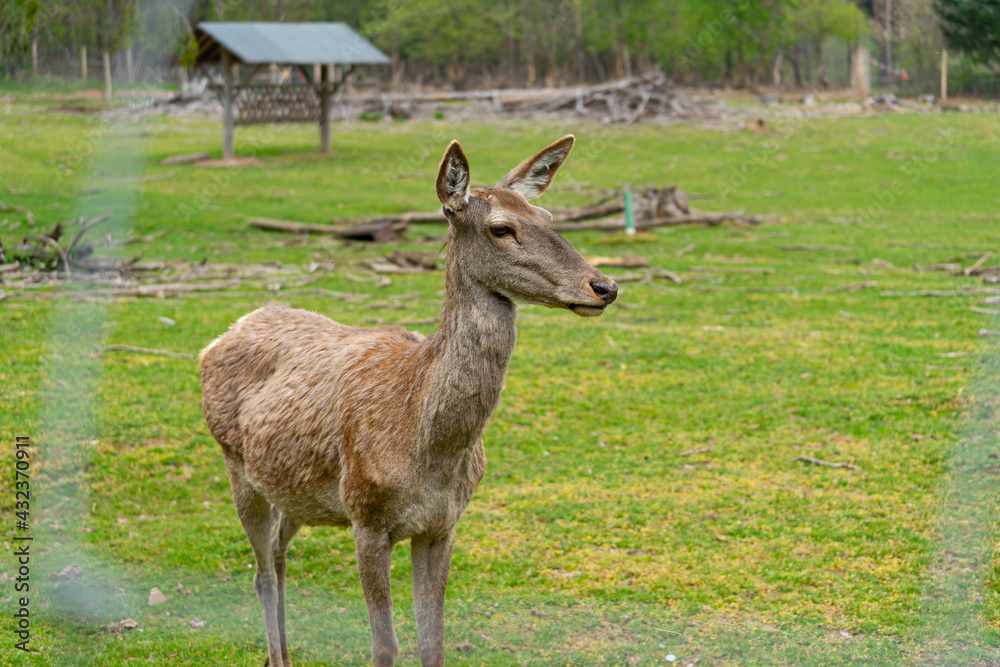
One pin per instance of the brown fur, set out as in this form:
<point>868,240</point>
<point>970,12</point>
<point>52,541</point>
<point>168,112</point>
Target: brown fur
<point>381,429</point>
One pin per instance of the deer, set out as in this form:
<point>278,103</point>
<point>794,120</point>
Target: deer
<point>380,429</point>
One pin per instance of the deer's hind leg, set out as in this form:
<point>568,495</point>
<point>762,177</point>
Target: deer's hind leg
<point>255,514</point>
<point>284,529</point>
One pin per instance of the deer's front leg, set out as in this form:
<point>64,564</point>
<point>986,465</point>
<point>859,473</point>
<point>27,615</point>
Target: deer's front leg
<point>431,558</point>
<point>374,552</point>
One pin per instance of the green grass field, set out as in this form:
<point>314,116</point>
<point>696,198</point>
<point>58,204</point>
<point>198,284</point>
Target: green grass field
<point>596,537</point>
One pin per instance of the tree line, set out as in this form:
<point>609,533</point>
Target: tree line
<point>472,43</point>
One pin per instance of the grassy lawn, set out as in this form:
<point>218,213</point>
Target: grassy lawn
<point>641,497</point>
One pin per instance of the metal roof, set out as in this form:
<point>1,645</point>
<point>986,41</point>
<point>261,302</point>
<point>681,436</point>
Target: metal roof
<point>286,43</point>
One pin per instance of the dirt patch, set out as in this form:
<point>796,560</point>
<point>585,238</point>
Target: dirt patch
<point>91,94</point>
<point>73,109</point>
<point>234,162</point>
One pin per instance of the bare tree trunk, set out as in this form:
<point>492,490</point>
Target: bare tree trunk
<point>397,69</point>
<point>741,64</point>
<point>602,74</point>
<point>821,78</point>
<point>642,60</point>
<point>110,46</point>
<point>529,43</point>
<point>793,57</point>
<point>581,54</point>
<point>807,62</point>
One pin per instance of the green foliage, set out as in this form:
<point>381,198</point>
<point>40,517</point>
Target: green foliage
<point>972,26</point>
<point>188,53</point>
<point>487,44</point>
<point>17,24</point>
<point>819,19</point>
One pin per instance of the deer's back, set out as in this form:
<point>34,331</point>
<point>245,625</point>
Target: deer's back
<point>295,398</point>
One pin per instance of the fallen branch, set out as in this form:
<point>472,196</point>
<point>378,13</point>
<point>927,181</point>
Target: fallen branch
<point>731,269</point>
<point>685,250</point>
<point>650,204</point>
<point>148,237</point>
<point>166,289</point>
<point>630,262</point>
<point>854,287</point>
<point>186,158</point>
<point>828,464</point>
<point>706,220</point>
<point>648,276</point>
<point>668,274</point>
<point>144,350</point>
<point>811,246</point>
<point>974,269</point>
<point>945,266</point>
<point>931,292</point>
<point>375,231</point>
<point>295,227</point>
<point>349,297</point>
<point>104,264</point>
<point>83,230</point>
<point>51,242</point>
<point>415,217</point>
<point>939,246</point>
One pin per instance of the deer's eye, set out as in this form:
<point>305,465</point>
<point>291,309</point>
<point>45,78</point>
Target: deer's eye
<point>499,230</point>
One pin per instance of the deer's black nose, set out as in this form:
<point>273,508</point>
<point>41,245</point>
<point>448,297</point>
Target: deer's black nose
<point>607,293</point>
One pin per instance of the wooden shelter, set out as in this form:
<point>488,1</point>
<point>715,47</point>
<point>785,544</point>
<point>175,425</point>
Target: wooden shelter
<point>300,45</point>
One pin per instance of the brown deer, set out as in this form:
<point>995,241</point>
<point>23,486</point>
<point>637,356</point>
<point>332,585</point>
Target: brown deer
<point>381,429</point>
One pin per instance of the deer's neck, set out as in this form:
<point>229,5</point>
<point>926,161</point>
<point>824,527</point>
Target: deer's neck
<point>469,356</point>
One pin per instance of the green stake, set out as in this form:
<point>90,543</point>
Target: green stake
<point>629,216</point>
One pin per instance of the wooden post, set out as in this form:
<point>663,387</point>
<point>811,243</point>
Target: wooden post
<point>83,62</point>
<point>34,59</point>
<point>107,76</point>
<point>861,72</point>
<point>944,74</point>
<point>184,78</point>
<point>129,74</point>
<point>227,105</point>
<point>324,110</point>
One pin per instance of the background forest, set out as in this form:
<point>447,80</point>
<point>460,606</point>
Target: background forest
<point>504,43</point>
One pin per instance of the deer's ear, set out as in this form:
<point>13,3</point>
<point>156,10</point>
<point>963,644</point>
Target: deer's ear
<point>453,178</point>
<point>530,178</point>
